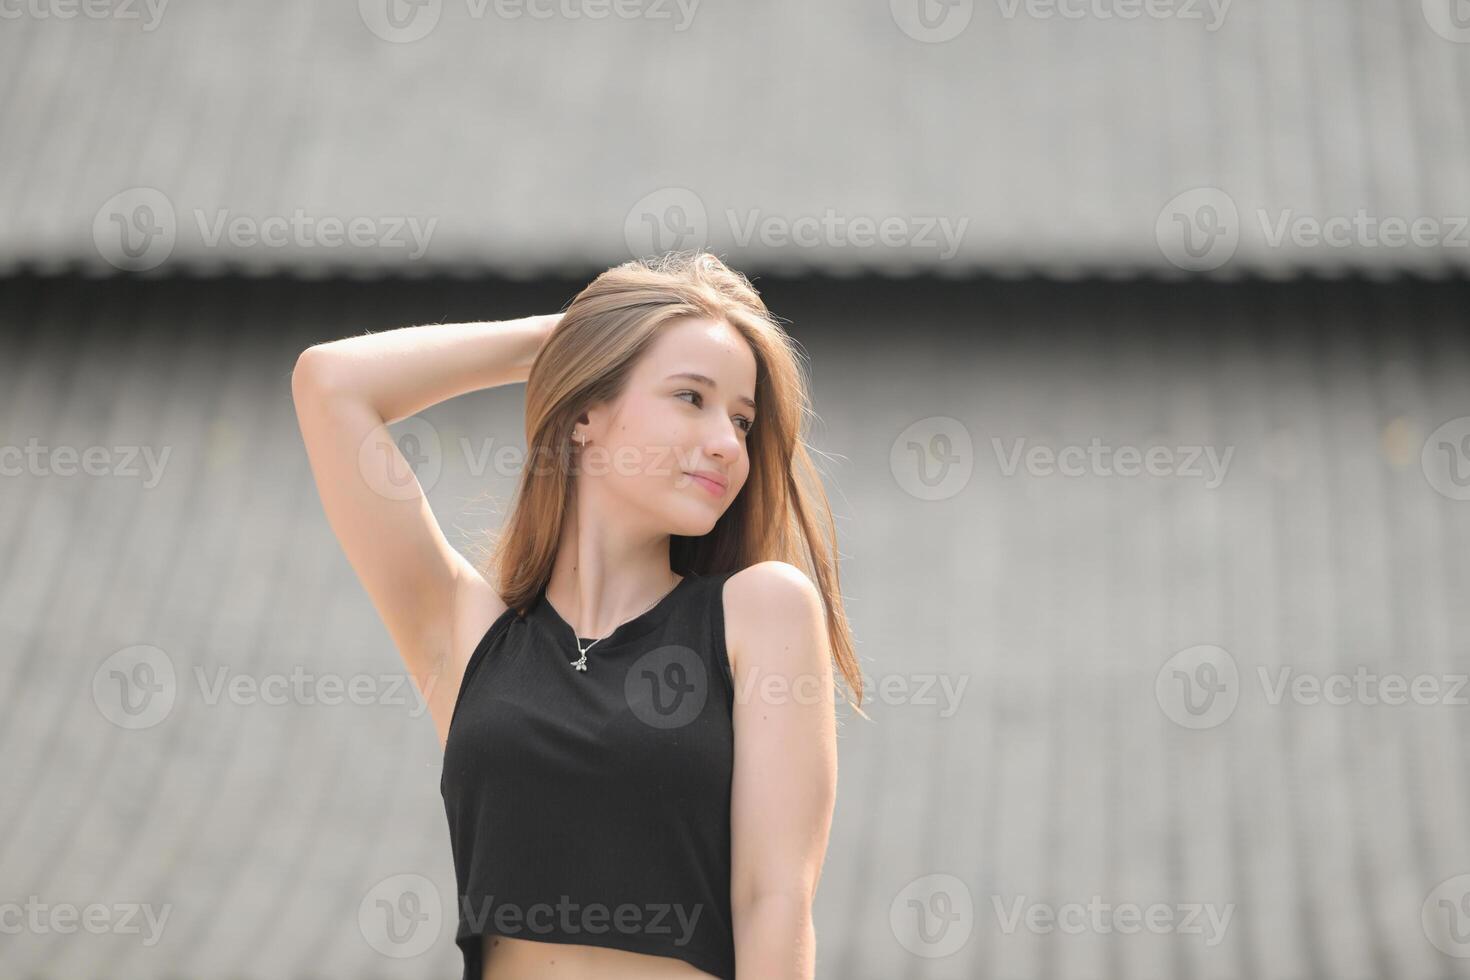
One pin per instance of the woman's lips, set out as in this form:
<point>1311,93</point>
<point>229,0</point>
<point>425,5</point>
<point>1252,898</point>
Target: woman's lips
<point>714,489</point>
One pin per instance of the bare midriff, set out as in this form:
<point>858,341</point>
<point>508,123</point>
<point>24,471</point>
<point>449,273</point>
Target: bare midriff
<point>506,958</point>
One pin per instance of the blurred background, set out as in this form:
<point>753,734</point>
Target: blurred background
<point>1138,336</point>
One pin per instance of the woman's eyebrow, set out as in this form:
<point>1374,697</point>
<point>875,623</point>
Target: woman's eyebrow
<point>705,380</point>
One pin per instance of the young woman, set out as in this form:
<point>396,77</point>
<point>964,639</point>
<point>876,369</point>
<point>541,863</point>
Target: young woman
<point>634,694</point>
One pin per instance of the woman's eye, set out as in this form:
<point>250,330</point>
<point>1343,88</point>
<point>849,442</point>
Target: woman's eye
<point>745,424</point>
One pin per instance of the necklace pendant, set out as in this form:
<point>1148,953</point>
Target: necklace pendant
<point>580,665</point>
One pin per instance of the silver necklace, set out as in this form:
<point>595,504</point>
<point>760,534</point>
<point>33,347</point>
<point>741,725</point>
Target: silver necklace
<point>581,663</point>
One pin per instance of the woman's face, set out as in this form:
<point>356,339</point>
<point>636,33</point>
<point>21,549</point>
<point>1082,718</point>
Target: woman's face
<point>652,448</point>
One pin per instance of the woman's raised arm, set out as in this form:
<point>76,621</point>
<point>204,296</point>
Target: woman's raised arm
<point>346,393</point>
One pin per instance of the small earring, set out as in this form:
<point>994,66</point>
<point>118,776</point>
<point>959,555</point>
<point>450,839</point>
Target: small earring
<point>582,436</point>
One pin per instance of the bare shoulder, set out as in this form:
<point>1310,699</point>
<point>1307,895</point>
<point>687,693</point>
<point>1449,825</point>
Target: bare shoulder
<point>778,581</point>
<point>774,616</point>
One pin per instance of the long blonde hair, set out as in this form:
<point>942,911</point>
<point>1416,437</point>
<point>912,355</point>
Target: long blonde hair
<point>780,513</point>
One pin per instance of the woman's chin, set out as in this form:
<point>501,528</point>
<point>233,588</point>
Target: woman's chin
<point>687,522</point>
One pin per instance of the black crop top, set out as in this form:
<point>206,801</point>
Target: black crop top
<point>594,807</point>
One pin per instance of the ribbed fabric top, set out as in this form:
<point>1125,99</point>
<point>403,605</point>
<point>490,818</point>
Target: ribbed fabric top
<point>594,807</point>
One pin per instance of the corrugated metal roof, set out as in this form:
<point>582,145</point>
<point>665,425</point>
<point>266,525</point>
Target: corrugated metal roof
<point>1009,135</point>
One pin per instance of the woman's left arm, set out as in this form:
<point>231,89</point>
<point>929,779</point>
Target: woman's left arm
<point>785,781</point>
